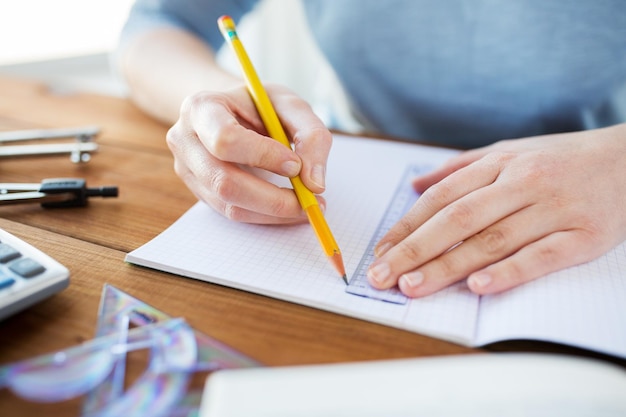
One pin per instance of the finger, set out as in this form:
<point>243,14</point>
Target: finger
<point>311,139</point>
<point>551,253</point>
<point>234,207</point>
<point>233,192</point>
<point>423,182</point>
<point>441,195</point>
<point>453,224</point>
<point>221,123</point>
<point>492,244</point>
<point>243,215</point>
<point>238,192</point>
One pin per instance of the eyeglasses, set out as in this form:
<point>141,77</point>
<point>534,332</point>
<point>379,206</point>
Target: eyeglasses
<point>96,368</point>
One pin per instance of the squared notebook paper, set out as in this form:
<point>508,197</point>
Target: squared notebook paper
<point>583,306</point>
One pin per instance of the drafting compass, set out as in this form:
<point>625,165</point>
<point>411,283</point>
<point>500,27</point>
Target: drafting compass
<point>53,192</point>
<point>80,149</point>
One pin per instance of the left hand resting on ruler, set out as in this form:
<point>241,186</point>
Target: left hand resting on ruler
<point>509,213</point>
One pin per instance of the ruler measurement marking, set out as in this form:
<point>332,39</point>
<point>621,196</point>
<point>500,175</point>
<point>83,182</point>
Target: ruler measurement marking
<point>401,202</point>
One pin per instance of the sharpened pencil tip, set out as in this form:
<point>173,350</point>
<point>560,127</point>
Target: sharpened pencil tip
<point>337,262</point>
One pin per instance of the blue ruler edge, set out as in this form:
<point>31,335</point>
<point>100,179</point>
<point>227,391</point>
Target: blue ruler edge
<point>403,199</point>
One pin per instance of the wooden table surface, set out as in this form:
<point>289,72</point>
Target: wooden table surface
<point>92,242</point>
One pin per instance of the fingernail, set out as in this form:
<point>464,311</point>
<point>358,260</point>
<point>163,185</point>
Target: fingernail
<point>412,279</point>
<point>291,168</point>
<point>317,175</point>
<point>382,249</point>
<point>480,280</point>
<point>379,272</point>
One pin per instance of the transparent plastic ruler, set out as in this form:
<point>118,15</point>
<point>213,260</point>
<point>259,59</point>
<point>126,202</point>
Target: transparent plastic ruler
<point>404,197</point>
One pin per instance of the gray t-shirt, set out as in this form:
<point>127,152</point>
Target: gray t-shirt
<point>456,72</point>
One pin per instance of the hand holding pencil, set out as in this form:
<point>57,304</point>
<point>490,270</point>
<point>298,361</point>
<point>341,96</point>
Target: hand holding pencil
<point>275,129</point>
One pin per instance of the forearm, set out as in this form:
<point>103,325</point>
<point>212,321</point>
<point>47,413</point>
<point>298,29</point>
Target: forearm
<point>163,66</point>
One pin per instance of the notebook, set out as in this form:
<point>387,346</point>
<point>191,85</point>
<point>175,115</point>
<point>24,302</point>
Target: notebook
<point>486,385</point>
<point>583,306</point>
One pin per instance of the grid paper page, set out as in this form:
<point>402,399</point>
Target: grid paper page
<point>286,262</point>
<point>583,306</point>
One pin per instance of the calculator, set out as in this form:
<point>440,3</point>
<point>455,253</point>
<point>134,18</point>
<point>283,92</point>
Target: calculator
<point>27,275</point>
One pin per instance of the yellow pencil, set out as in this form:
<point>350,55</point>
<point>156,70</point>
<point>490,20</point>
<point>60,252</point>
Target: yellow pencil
<point>275,129</point>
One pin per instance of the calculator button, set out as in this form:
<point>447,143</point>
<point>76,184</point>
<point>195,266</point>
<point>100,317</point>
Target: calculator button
<point>6,282</point>
<point>8,253</point>
<point>26,267</point>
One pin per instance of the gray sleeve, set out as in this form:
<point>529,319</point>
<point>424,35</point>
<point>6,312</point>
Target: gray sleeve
<point>195,16</point>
